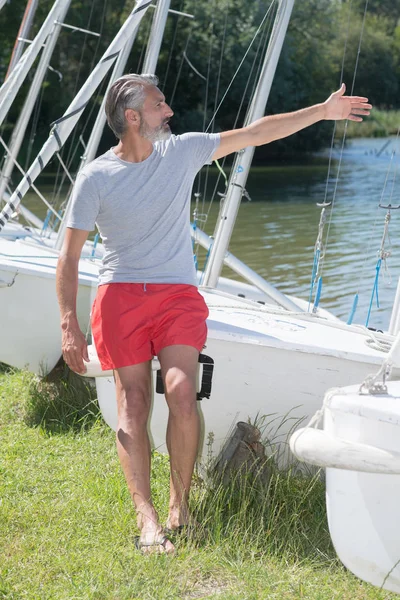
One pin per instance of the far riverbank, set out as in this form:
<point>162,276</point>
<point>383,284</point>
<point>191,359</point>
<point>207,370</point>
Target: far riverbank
<point>381,123</point>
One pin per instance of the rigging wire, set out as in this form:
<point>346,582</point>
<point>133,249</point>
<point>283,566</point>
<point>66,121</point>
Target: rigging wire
<point>262,43</point>
<point>182,61</point>
<point>320,247</point>
<point>91,67</point>
<point>81,62</point>
<point>204,195</point>
<point>210,50</point>
<point>261,47</point>
<point>144,44</point>
<point>172,48</point>
<point>240,64</point>
<point>220,61</point>
<point>345,128</point>
<point>191,65</point>
<point>340,83</point>
<point>396,169</point>
<point>376,220</point>
<point>73,145</point>
<point>382,253</point>
<point>60,180</point>
<point>171,101</point>
<point>34,125</point>
<point>267,36</point>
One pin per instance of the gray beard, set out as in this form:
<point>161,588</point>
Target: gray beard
<point>154,135</point>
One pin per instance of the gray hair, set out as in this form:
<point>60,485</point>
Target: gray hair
<point>128,91</point>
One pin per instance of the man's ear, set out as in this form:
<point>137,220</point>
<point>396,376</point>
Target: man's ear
<point>132,116</point>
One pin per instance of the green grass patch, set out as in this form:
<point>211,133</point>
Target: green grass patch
<point>67,522</point>
<point>60,402</point>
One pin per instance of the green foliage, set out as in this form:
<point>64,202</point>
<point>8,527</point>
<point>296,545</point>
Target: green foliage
<point>321,34</point>
<point>381,124</point>
<point>377,73</point>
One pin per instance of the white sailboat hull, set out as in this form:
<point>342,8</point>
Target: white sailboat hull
<point>30,333</point>
<point>31,336</point>
<point>361,434</point>
<point>267,368</point>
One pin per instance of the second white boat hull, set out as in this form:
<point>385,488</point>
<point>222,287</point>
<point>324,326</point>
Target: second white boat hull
<point>360,446</point>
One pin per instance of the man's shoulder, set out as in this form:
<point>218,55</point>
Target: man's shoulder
<point>185,140</point>
<point>99,165</point>
<point>191,135</point>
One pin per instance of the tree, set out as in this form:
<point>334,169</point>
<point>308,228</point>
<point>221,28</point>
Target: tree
<point>215,43</point>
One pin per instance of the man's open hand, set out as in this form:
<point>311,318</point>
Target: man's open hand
<point>338,106</point>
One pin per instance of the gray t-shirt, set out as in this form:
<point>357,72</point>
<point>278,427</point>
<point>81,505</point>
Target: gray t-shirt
<point>142,210</point>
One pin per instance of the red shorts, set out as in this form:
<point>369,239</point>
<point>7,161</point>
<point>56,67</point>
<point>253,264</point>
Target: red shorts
<point>132,322</point>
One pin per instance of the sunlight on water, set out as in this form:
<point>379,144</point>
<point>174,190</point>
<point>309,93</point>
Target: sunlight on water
<point>276,232</point>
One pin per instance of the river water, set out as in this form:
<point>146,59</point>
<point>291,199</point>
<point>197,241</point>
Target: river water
<point>276,232</point>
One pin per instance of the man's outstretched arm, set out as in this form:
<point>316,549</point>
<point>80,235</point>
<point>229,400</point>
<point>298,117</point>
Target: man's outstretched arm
<point>268,129</point>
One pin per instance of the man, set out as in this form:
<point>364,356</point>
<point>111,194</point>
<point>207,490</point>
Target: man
<point>138,194</point>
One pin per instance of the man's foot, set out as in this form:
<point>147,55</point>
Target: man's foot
<point>152,538</point>
<point>179,518</point>
<point>181,523</point>
<point>159,544</point>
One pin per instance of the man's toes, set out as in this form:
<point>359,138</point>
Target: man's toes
<point>168,546</point>
<point>159,545</point>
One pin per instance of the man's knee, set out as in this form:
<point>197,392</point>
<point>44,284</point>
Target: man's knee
<point>181,395</point>
<point>133,406</point>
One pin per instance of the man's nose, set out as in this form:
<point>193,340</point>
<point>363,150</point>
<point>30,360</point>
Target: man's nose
<point>169,112</point>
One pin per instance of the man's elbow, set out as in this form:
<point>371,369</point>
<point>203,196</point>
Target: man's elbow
<point>67,263</point>
<point>257,135</point>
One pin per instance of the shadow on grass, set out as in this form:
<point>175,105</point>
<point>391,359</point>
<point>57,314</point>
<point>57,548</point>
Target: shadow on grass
<point>61,402</point>
<point>4,369</point>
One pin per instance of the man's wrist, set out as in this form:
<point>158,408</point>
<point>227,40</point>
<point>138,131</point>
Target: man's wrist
<point>322,111</point>
<point>69,321</point>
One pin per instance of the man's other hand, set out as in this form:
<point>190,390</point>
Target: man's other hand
<point>74,349</point>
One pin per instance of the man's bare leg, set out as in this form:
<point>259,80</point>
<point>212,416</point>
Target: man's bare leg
<point>133,386</point>
<point>179,370</point>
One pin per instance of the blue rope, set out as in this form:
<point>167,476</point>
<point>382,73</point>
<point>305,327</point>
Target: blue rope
<point>353,310</point>
<point>318,294</point>
<point>374,291</point>
<point>96,239</point>
<point>314,272</point>
<point>46,221</point>
<point>196,264</point>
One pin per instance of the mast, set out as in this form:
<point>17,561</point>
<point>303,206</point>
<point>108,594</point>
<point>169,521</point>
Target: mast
<point>157,32</point>
<point>155,38</point>
<point>23,120</point>
<point>23,33</point>
<point>63,127</point>
<point>242,163</point>
<point>10,87</point>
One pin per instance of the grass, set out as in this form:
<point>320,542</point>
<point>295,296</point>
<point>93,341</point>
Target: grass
<point>381,123</point>
<point>67,522</point>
